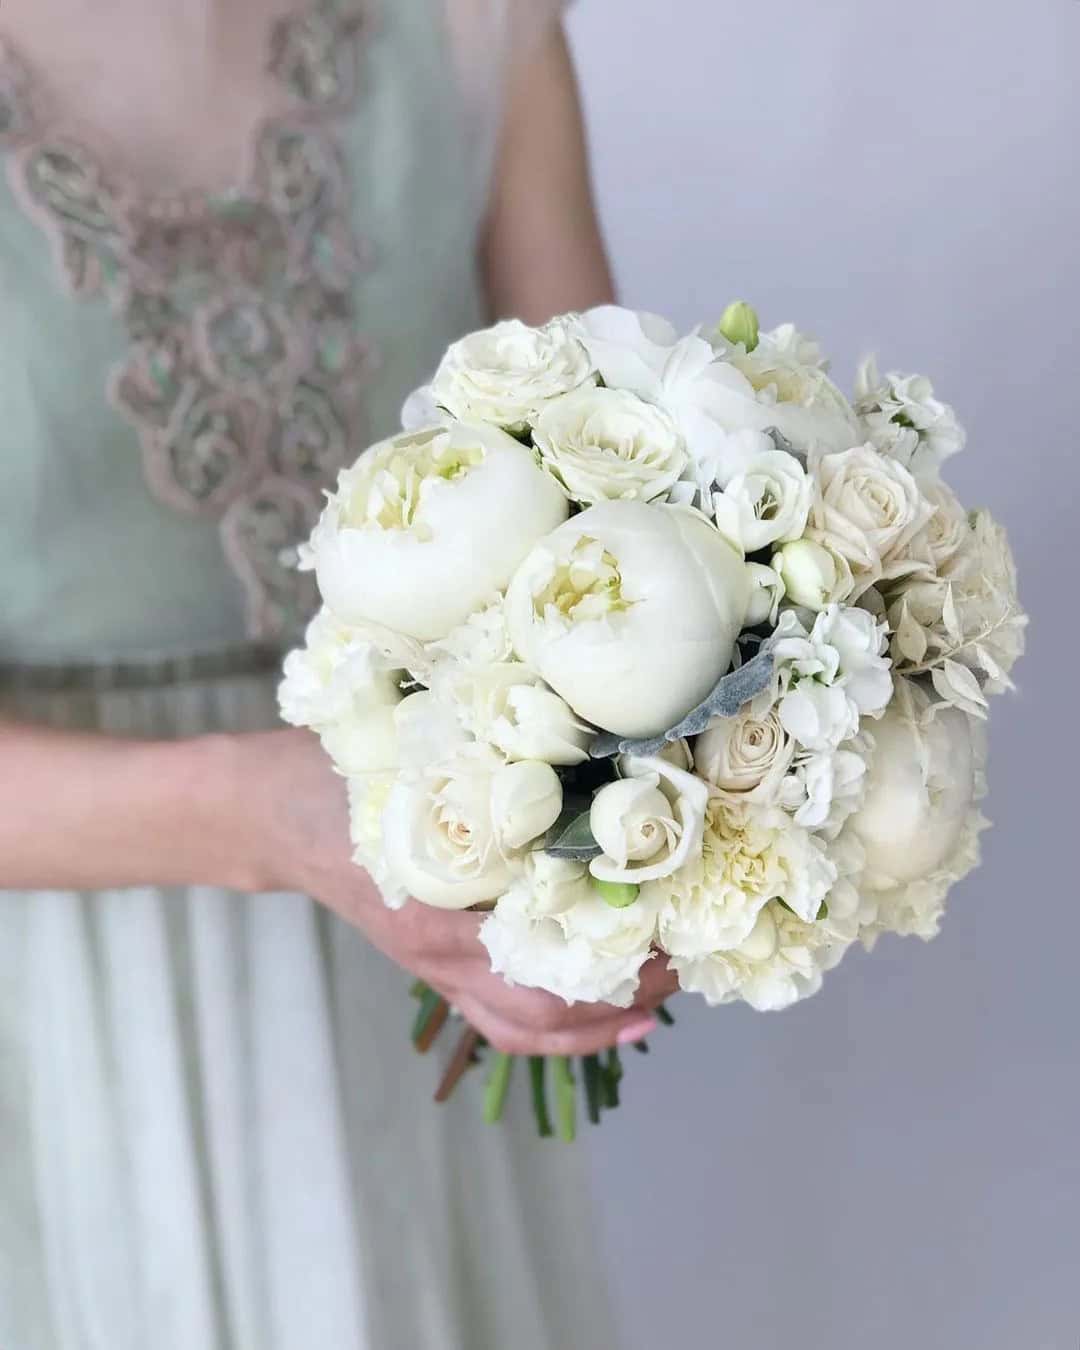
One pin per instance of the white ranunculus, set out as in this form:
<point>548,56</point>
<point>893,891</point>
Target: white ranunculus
<point>827,678</point>
<point>526,798</point>
<point>609,445</point>
<point>552,931</point>
<point>341,686</point>
<point>630,612</point>
<point>920,790</point>
<point>452,832</point>
<point>814,575</point>
<point>745,757</point>
<point>781,961</point>
<point>868,508</point>
<point>423,528</point>
<point>508,706</point>
<point>905,421</point>
<point>649,822</point>
<point>767,503</point>
<point>750,855</point>
<point>508,374</point>
<point>714,395</point>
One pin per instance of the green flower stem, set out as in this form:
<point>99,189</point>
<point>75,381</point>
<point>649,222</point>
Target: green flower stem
<point>537,1070</point>
<point>642,1047</point>
<point>664,1016</point>
<point>496,1086</point>
<point>417,989</point>
<point>613,1072</point>
<point>565,1104</point>
<point>590,1065</point>
<point>429,1005</point>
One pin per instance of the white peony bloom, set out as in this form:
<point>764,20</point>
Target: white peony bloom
<point>714,394</point>
<point>924,778</point>
<point>829,677</point>
<point>750,855</point>
<point>630,612</point>
<point>813,574</point>
<point>767,503</point>
<point>368,795</point>
<point>452,833</point>
<point>424,527</point>
<point>649,822</point>
<point>552,931</point>
<point>508,374</point>
<point>905,421</point>
<point>745,757</point>
<point>609,445</point>
<point>781,961</point>
<point>867,509</point>
<point>340,685</point>
<point>508,706</point>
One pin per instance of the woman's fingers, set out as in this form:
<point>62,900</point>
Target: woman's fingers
<point>584,1038</point>
<point>658,982</point>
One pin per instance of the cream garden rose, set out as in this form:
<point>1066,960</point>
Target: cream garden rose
<point>747,756</point>
<point>609,445</point>
<point>630,612</point>
<point>425,526</point>
<point>509,373</point>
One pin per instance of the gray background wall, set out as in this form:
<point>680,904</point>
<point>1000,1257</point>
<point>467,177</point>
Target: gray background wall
<point>895,1163</point>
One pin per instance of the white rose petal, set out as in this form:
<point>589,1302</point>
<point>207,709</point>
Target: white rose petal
<point>649,823</point>
<point>526,798</point>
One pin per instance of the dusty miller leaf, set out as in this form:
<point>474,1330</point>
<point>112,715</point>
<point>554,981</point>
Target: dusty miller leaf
<point>729,696</point>
<point>571,837</point>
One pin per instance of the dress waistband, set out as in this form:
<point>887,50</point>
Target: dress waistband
<point>142,672</point>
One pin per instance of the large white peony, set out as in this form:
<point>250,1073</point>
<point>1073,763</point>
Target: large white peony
<point>509,373</point>
<point>630,612</point>
<point>425,526</point>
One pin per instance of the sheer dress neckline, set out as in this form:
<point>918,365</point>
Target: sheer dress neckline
<point>244,368</point>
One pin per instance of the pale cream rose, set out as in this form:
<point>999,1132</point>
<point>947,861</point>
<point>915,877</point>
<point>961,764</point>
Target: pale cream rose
<point>745,757</point>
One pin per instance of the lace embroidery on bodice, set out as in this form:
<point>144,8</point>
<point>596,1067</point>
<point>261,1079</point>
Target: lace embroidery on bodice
<point>243,369</point>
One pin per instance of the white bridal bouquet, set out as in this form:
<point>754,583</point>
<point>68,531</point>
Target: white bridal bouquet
<point>658,647</point>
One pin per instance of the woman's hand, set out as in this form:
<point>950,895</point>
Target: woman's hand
<point>297,831</point>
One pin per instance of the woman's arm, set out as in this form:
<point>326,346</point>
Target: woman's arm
<point>542,250</point>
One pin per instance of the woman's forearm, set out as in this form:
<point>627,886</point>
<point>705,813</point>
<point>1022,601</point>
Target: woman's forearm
<point>83,811</point>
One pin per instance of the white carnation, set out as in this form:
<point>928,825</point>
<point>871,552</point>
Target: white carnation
<point>368,795</point>
<point>905,421</point>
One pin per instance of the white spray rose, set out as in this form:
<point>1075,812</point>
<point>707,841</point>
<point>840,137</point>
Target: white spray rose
<point>867,509</point>
<point>767,503</point>
<point>552,931</point>
<point>813,574</point>
<point>341,686</point>
<point>424,527</point>
<point>609,445</point>
<point>905,421</point>
<point>630,612</point>
<point>649,822</point>
<point>509,373</point>
<point>452,834</point>
<point>745,757</point>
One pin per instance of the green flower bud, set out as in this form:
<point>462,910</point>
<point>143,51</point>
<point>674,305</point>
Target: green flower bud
<point>739,323</point>
<point>617,894</point>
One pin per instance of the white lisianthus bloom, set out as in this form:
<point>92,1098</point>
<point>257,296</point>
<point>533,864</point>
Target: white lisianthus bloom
<point>714,393</point>
<point>425,526</point>
<point>609,445</point>
<point>827,678</point>
<point>630,612</point>
<point>649,822</point>
<point>508,374</point>
<point>368,795</point>
<point>749,856</point>
<point>867,509</point>
<point>767,592</point>
<point>508,706</point>
<point>453,833</point>
<point>767,503</point>
<point>745,757</point>
<point>341,686</point>
<point>905,421</point>
<point>813,574</point>
<point>781,961</point>
<point>552,931</point>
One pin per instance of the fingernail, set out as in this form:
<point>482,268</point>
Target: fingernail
<point>636,1031</point>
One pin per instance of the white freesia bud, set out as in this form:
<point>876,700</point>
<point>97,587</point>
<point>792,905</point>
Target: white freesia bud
<point>649,822</point>
<point>811,573</point>
<point>508,374</point>
<point>630,612</point>
<point>745,756</point>
<point>526,799</point>
<point>609,445</point>
<point>919,793</point>
<point>424,527</point>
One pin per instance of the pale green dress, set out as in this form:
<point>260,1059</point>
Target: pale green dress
<point>214,1134</point>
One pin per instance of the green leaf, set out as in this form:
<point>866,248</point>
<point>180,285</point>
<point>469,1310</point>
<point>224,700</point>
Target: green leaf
<point>573,839</point>
<point>496,1087</point>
